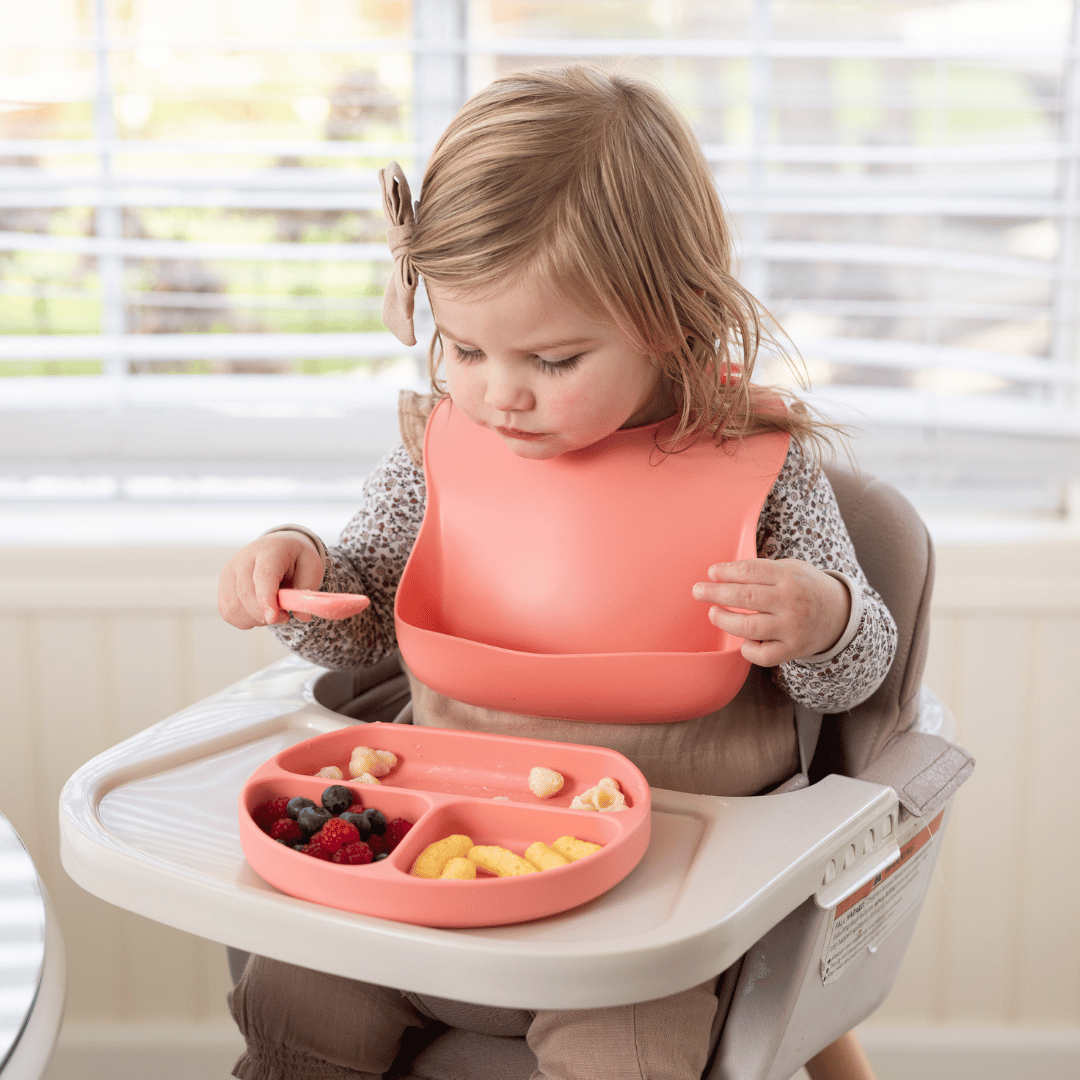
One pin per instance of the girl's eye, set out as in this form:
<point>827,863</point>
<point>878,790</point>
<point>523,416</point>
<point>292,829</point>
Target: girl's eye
<point>558,367</point>
<point>467,355</point>
<point>549,367</point>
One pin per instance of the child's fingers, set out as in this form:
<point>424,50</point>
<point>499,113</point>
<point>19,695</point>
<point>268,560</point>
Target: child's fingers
<point>766,653</point>
<point>236,601</point>
<point>269,571</point>
<point>248,586</point>
<point>783,609</point>
<point>272,572</point>
<point>306,573</point>
<point>756,626</point>
<point>748,572</point>
<point>749,597</point>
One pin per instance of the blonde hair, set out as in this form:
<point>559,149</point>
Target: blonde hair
<point>595,183</point>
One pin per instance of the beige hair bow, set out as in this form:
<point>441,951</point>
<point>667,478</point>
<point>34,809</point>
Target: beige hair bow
<point>397,312</point>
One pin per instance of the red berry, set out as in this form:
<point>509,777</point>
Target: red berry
<point>353,854</point>
<point>395,831</point>
<point>336,834</point>
<point>356,808</point>
<point>265,814</point>
<point>285,829</point>
<point>378,844</point>
<point>316,851</point>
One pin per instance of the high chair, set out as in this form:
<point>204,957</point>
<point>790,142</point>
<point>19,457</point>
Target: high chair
<point>805,898</point>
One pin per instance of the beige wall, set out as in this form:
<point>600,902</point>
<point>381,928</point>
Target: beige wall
<point>97,644</point>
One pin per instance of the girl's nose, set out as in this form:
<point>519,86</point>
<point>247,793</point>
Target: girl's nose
<point>506,391</point>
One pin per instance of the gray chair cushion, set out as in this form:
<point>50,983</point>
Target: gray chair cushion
<point>895,552</point>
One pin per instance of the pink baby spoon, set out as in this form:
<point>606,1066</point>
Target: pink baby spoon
<point>325,605</point>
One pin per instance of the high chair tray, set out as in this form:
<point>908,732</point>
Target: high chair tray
<point>447,783</point>
<point>151,825</point>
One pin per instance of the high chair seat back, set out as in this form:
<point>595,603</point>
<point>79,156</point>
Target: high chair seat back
<point>895,552</point>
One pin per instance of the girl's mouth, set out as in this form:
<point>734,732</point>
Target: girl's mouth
<point>513,433</point>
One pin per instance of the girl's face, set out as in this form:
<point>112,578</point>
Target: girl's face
<point>548,378</point>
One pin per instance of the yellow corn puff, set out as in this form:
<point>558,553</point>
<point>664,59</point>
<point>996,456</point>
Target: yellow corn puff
<point>544,783</point>
<point>570,847</point>
<point>543,858</point>
<point>606,796</point>
<point>331,772</point>
<point>376,762</point>
<point>497,860</point>
<point>362,761</point>
<point>433,859</point>
<point>458,868</point>
<point>387,760</point>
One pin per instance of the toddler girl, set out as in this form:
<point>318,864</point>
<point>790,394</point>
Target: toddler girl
<point>590,332</point>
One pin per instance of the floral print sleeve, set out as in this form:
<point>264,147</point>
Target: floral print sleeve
<point>369,558</point>
<point>800,520</point>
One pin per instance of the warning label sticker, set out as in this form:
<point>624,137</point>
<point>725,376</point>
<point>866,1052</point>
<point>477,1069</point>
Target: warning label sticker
<point>865,918</point>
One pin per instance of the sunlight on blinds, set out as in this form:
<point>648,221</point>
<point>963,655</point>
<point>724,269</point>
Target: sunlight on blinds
<point>191,241</point>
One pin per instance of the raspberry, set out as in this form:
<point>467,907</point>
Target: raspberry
<point>395,832</point>
<point>336,834</point>
<point>378,844</point>
<point>316,851</point>
<point>356,808</point>
<point>265,814</point>
<point>285,829</point>
<point>353,854</point>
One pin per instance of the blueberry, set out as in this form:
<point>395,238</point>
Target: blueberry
<point>363,825</point>
<point>294,806</point>
<point>376,821</point>
<point>337,798</point>
<point>312,818</point>
<point>382,855</point>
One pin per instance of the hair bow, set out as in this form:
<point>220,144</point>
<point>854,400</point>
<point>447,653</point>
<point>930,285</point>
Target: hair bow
<point>397,312</point>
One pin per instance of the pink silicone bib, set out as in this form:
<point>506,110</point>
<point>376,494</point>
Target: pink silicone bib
<point>562,588</point>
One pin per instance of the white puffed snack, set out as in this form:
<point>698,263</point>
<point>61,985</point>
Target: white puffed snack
<point>605,797</point>
<point>331,772</point>
<point>544,783</point>
<point>374,762</point>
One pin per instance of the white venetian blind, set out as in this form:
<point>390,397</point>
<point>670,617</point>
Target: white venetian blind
<point>192,257</point>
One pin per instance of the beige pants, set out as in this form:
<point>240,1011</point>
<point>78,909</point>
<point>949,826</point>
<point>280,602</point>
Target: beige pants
<point>303,1025</point>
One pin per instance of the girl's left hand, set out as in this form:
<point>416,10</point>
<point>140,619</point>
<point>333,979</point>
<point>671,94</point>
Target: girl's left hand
<point>790,608</point>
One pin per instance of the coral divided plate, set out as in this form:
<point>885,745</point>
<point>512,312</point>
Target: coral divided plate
<point>450,782</point>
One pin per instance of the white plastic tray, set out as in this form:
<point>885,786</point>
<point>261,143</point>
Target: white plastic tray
<point>151,826</point>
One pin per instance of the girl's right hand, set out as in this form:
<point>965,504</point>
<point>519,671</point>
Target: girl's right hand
<point>248,587</point>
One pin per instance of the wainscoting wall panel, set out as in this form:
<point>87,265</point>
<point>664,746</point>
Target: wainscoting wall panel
<point>96,644</point>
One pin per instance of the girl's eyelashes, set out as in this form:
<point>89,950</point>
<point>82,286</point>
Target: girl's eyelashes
<point>466,355</point>
<point>557,367</point>
<point>549,367</point>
